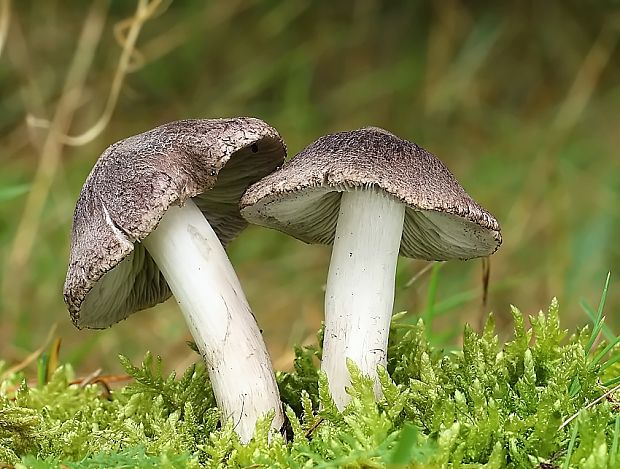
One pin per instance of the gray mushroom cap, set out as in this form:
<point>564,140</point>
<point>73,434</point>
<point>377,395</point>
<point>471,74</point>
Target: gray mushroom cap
<point>212,161</point>
<point>302,198</point>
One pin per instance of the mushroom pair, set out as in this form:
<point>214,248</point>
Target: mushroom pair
<point>157,208</point>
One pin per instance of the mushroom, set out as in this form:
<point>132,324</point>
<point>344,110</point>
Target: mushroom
<point>370,194</point>
<point>151,220</point>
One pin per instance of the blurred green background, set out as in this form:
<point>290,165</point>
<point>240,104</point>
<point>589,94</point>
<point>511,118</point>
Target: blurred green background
<point>521,100</point>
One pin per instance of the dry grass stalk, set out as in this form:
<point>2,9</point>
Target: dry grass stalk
<point>5,21</point>
<point>56,137</point>
<point>126,33</point>
<point>50,154</point>
<point>519,218</point>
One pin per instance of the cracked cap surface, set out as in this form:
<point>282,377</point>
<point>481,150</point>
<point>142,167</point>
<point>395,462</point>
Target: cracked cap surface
<point>110,274</point>
<point>302,198</point>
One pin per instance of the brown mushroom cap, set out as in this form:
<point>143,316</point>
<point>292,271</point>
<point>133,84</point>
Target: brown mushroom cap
<point>302,198</point>
<point>130,188</point>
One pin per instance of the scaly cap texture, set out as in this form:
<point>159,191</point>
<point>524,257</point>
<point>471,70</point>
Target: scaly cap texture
<point>303,197</point>
<point>110,275</point>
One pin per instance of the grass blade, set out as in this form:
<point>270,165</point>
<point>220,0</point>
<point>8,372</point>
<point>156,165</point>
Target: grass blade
<point>571,446</point>
<point>604,352</point>
<point>612,382</point>
<point>614,446</point>
<point>429,312</point>
<point>609,335</point>
<point>598,323</point>
<point>12,192</point>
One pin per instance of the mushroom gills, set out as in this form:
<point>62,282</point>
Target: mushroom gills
<point>434,235</point>
<point>135,283</point>
<point>311,216</point>
<point>220,205</point>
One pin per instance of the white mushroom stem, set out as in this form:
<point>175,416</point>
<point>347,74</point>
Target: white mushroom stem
<point>209,294</point>
<point>360,287</point>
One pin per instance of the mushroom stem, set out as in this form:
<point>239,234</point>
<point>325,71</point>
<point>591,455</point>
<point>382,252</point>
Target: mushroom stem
<point>360,287</point>
<point>204,283</point>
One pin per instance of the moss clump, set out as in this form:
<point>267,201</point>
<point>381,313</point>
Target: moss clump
<point>488,405</point>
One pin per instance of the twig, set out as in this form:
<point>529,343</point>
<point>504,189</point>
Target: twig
<point>419,274</point>
<point>593,403</point>
<point>314,426</point>
<point>486,275</point>
<point>88,379</point>
<point>107,392</point>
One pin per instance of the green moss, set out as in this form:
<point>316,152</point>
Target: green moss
<point>488,405</point>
